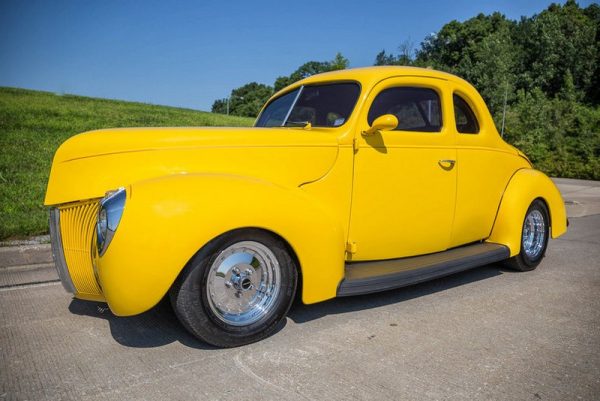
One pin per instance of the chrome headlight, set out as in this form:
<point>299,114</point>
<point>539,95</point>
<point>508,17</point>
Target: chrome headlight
<point>109,216</point>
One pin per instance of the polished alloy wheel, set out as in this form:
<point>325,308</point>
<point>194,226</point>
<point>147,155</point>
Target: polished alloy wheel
<point>243,283</point>
<point>534,234</point>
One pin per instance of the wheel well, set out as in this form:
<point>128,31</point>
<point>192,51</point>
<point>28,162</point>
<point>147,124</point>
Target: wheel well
<point>547,208</point>
<point>288,247</point>
<point>292,253</point>
<point>294,257</point>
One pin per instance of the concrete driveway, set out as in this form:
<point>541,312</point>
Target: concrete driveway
<point>485,334</point>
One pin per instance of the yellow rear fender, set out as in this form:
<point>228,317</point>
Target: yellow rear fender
<point>167,220</point>
<point>524,187</point>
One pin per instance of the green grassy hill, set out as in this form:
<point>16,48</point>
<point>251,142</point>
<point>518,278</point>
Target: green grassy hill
<point>32,126</point>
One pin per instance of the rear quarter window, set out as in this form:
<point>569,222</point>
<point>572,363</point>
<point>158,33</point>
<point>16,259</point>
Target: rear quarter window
<point>466,121</point>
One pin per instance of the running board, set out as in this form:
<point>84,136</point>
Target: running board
<point>374,276</point>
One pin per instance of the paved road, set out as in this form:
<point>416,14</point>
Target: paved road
<point>479,335</point>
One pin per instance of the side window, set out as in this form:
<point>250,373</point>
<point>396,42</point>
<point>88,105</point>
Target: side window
<point>466,122</point>
<point>417,109</point>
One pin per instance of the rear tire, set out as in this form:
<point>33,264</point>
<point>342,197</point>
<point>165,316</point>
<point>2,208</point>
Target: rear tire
<point>534,238</point>
<point>237,289</point>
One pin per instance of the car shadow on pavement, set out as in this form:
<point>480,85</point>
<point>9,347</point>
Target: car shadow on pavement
<point>301,313</point>
<point>159,326</point>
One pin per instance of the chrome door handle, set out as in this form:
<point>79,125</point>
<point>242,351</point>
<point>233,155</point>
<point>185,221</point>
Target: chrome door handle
<point>447,164</point>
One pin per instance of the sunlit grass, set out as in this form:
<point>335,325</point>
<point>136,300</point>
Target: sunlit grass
<point>32,126</point>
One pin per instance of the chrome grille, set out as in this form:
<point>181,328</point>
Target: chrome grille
<point>76,229</point>
<point>57,251</point>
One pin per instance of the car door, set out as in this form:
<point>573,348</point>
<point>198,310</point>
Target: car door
<point>404,184</point>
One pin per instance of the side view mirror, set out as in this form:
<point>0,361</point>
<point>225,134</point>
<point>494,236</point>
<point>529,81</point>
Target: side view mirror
<point>385,122</point>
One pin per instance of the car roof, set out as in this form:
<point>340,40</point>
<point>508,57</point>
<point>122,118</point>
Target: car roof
<point>371,75</point>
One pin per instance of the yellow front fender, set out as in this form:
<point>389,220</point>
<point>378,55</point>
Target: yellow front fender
<point>167,220</point>
<point>524,187</point>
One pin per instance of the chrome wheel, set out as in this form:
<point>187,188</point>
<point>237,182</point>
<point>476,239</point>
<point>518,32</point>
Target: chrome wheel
<point>534,234</point>
<point>237,289</point>
<point>243,283</point>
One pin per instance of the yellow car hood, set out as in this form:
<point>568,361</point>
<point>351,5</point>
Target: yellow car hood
<point>89,164</point>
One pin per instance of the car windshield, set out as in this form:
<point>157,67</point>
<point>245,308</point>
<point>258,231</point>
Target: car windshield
<point>328,105</point>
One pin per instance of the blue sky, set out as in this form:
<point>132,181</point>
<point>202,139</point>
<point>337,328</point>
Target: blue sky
<point>189,53</point>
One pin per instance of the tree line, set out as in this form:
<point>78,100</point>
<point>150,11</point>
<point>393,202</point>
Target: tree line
<point>546,68</point>
<point>248,99</point>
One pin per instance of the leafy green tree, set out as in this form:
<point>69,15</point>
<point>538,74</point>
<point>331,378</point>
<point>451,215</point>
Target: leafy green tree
<point>244,101</point>
<point>311,68</point>
<point>339,62</point>
<point>405,56</point>
<point>560,135</point>
<point>593,94</point>
<point>493,69</point>
<point>559,39</point>
<point>384,58</point>
<point>219,106</point>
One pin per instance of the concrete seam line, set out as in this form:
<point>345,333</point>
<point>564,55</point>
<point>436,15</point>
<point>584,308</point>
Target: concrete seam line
<point>29,285</point>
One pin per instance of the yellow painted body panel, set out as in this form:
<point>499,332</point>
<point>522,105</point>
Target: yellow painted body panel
<point>479,194</point>
<point>168,219</point>
<point>331,193</point>
<point>524,187</point>
<point>125,156</point>
<point>334,191</point>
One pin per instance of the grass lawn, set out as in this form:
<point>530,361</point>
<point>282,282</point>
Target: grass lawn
<point>32,126</point>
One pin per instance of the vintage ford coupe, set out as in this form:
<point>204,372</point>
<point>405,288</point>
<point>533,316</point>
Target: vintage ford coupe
<point>350,182</point>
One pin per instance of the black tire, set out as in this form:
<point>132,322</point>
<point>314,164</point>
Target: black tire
<point>190,293</point>
<point>523,261</point>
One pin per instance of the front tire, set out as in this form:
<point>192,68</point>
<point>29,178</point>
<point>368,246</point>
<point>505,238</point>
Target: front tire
<point>237,289</point>
<point>534,238</point>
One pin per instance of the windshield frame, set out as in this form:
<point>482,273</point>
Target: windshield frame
<point>289,112</point>
<point>300,88</point>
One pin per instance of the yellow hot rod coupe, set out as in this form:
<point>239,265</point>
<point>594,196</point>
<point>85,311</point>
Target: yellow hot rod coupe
<point>350,182</point>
